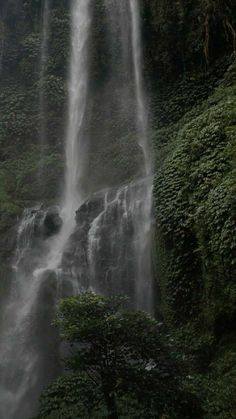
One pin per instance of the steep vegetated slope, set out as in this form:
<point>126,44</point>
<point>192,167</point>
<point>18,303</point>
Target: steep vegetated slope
<point>195,233</point>
<point>190,70</point>
<point>191,53</point>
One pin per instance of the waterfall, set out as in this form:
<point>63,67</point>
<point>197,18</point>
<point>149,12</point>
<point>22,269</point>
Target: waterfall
<point>104,240</point>
<point>75,144</point>
<point>43,65</point>
<point>3,13</point>
<point>140,97</point>
<point>125,32</point>
<point>1,54</point>
<point>112,252</point>
<point>120,246</point>
<point>25,330</point>
<point>28,347</point>
<point>78,86</point>
<point>144,217</point>
<point>13,359</point>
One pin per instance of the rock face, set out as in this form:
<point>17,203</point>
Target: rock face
<point>108,251</point>
<point>37,225</point>
<point>52,222</point>
<point>98,256</point>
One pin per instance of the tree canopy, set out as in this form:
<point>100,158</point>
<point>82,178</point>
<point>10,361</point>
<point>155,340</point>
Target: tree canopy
<point>119,364</point>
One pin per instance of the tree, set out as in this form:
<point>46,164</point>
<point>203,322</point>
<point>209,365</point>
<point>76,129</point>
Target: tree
<point>123,358</point>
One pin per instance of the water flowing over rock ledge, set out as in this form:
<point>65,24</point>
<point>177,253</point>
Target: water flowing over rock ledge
<point>105,259</point>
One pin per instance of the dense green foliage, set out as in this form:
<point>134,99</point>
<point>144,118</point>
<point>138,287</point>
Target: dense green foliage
<point>195,212</point>
<point>120,361</point>
<point>195,190</point>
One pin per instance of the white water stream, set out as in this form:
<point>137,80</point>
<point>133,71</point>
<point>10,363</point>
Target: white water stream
<point>1,54</point>
<point>37,283</point>
<point>144,209</point>
<point>20,355</point>
<point>75,147</point>
<point>43,64</point>
<point>142,119</point>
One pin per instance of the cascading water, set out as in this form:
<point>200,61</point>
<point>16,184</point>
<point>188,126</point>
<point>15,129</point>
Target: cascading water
<point>102,238</point>
<point>1,54</point>
<point>26,330</point>
<point>143,222</point>
<point>142,120</point>
<point>43,64</point>
<point>3,12</point>
<point>78,87</point>
<point>126,66</point>
<point>75,145</point>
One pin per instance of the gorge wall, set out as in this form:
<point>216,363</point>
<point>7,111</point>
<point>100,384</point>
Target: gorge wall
<point>194,145</point>
<point>190,72</point>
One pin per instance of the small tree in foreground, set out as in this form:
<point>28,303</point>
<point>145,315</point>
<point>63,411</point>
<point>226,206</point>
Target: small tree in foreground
<point>119,362</point>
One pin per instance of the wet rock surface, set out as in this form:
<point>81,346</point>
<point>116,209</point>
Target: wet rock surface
<point>98,256</point>
<point>52,222</point>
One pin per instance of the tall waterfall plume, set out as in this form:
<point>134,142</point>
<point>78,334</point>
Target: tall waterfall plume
<point>75,146</point>
<point>43,65</point>
<point>1,53</point>
<point>78,88</point>
<point>142,119</point>
<point>103,237</point>
<point>126,79</point>
<point>27,339</point>
<point>143,225</point>
<point>25,328</point>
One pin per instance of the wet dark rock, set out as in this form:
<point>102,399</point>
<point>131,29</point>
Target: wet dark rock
<point>90,208</point>
<point>52,222</point>
<point>98,256</point>
<point>47,221</point>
